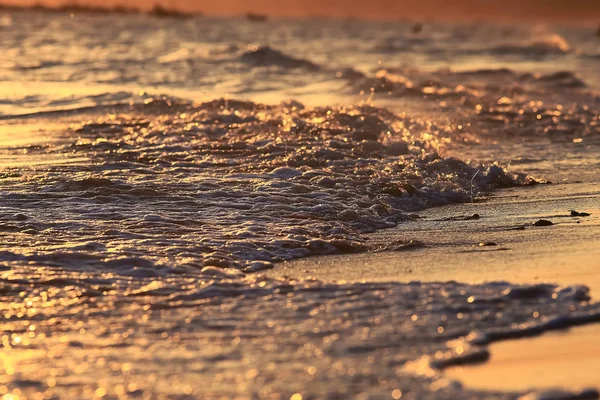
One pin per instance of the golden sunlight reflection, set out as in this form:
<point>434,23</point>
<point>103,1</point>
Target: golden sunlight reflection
<point>248,207</point>
<point>32,135</point>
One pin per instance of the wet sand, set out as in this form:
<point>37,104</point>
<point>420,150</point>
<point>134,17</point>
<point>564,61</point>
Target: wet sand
<point>566,253</point>
<point>552,360</point>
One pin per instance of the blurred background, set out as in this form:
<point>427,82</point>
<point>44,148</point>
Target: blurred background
<point>506,10</point>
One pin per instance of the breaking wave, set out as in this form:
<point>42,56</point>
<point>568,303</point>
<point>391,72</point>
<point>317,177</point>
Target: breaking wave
<point>243,185</point>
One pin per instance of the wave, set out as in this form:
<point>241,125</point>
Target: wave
<point>485,72</point>
<point>422,86</point>
<point>552,45</point>
<point>37,106</point>
<point>563,79</point>
<point>458,88</point>
<point>267,56</point>
<point>275,182</point>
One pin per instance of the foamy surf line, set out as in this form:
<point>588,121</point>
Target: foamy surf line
<point>236,184</point>
<point>127,277</point>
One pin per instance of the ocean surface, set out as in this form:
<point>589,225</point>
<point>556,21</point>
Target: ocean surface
<point>151,168</point>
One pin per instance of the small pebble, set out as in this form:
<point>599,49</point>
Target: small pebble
<point>485,244</point>
<point>543,222</point>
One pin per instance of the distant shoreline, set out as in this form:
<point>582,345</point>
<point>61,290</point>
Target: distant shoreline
<point>157,11</point>
<point>160,11</point>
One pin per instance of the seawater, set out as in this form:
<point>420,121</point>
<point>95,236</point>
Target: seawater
<point>151,168</point>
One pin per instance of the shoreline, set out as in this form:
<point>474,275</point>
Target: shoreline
<point>503,244</point>
<point>506,220</point>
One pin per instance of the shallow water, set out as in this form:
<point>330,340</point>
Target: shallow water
<point>137,198</point>
<point>545,361</point>
<point>211,58</point>
<point>502,244</point>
